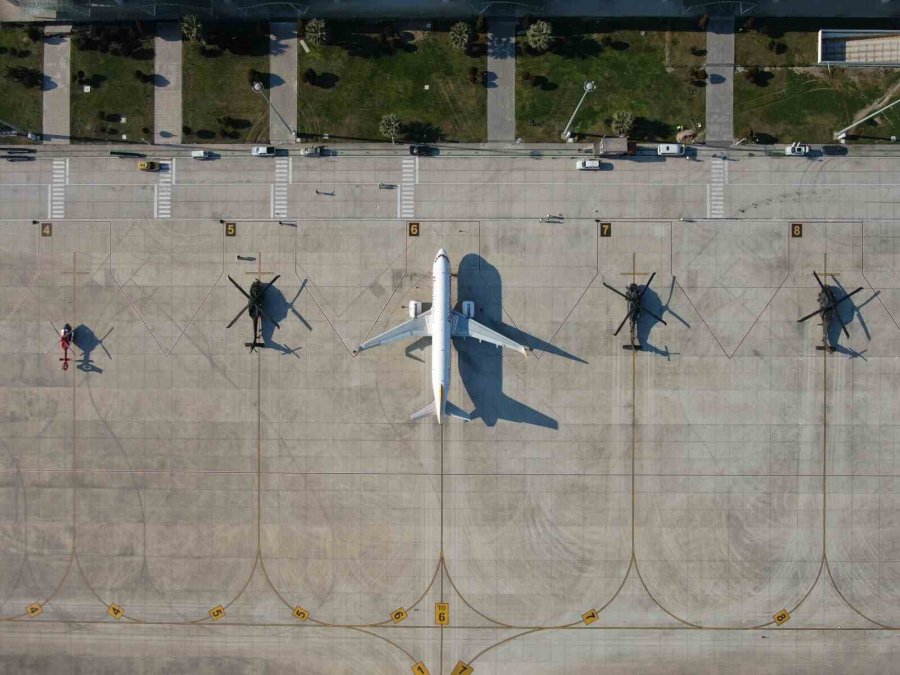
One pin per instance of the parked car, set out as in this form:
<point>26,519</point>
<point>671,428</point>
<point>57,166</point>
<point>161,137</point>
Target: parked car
<point>670,149</point>
<point>201,154</point>
<point>263,151</point>
<point>423,150</point>
<point>588,165</point>
<point>148,165</point>
<point>797,149</point>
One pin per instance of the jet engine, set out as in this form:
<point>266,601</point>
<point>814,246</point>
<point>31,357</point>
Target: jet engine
<point>415,308</point>
<point>468,309</point>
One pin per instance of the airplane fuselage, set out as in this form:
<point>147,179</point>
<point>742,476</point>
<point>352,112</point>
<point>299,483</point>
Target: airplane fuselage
<point>440,339</point>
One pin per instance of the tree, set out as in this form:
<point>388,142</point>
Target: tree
<point>539,35</point>
<point>309,76</point>
<point>622,122</point>
<point>460,35</point>
<point>34,33</point>
<point>316,34</point>
<point>389,126</point>
<point>473,74</point>
<point>27,77</point>
<point>481,24</point>
<point>192,29</point>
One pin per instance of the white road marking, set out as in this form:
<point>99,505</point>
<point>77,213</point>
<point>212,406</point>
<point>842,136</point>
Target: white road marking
<point>57,195</point>
<point>407,197</point>
<point>280,188</point>
<point>163,194</point>
<point>715,190</point>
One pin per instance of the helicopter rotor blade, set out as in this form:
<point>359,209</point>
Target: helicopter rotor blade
<point>267,317</point>
<point>811,314</point>
<point>615,290</point>
<point>266,287</point>
<point>821,285</point>
<point>627,316</point>
<point>646,286</point>
<point>238,286</point>
<point>238,316</point>
<point>656,316</point>
<point>847,296</point>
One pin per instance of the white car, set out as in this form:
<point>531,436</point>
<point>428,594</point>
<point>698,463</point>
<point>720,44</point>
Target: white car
<point>670,149</point>
<point>200,154</point>
<point>796,150</point>
<point>588,165</point>
<point>263,151</point>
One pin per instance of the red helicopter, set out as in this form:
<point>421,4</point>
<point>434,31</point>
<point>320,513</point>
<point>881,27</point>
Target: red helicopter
<point>66,339</point>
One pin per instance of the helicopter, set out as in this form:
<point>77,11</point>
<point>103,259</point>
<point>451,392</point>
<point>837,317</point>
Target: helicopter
<point>66,340</point>
<point>828,311</point>
<point>255,299</point>
<point>633,295</point>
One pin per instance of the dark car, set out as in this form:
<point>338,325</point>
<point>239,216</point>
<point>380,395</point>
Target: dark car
<point>423,150</point>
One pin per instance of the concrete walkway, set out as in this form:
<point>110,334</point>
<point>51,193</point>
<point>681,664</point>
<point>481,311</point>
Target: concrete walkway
<point>720,88</point>
<point>283,82</point>
<point>57,78</point>
<point>501,68</point>
<point>167,96</point>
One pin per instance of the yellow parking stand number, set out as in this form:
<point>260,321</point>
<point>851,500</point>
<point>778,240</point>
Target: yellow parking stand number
<point>590,617</point>
<point>413,229</point>
<point>217,612</point>
<point>300,614</point>
<point>420,669</point>
<point>781,617</point>
<point>115,611</point>
<point>462,669</point>
<point>34,609</point>
<point>796,229</point>
<point>230,229</point>
<point>398,615</point>
<point>46,229</point>
<point>605,229</point>
<point>442,613</point>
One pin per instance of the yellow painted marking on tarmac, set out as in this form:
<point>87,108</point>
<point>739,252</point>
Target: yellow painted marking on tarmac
<point>634,274</point>
<point>590,617</point>
<point>462,669</point>
<point>398,615</point>
<point>781,617</point>
<point>34,609</point>
<point>300,614</point>
<point>217,612</point>
<point>420,669</point>
<point>115,611</point>
<point>442,613</point>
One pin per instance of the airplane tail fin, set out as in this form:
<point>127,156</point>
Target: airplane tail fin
<point>424,412</point>
<point>459,413</point>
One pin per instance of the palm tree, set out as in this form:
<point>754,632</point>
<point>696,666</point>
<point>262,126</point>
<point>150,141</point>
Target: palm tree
<point>622,122</point>
<point>460,35</point>
<point>315,32</point>
<point>389,126</point>
<point>192,29</point>
<point>539,35</point>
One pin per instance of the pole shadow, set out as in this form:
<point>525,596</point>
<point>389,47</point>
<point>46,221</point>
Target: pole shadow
<point>481,363</point>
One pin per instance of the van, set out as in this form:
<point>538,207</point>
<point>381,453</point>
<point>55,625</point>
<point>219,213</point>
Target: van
<point>670,149</point>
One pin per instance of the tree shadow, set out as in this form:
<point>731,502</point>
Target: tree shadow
<point>620,46</point>
<point>206,134</point>
<point>578,46</point>
<point>647,129</point>
<point>95,80</point>
<point>159,81</point>
<point>419,131</point>
<point>481,363</point>
<point>47,83</point>
<point>543,83</point>
<point>327,80</point>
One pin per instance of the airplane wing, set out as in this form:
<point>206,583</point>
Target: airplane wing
<point>417,327</point>
<point>462,326</point>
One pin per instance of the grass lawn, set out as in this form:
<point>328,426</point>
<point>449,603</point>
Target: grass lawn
<point>810,105</point>
<point>629,69</point>
<point>359,80</point>
<point>115,92</point>
<point>218,103</point>
<point>19,105</point>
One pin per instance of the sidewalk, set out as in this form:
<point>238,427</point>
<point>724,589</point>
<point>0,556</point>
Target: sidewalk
<point>57,78</point>
<point>167,95</point>
<point>720,89</point>
<point>283,82</point>
<point>501,68</point>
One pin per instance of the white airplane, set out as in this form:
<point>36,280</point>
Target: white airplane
<point>441,322</point>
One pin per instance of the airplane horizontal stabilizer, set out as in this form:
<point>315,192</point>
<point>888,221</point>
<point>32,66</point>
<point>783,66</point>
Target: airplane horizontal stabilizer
<point>457,412</point>
<point>424,412</point>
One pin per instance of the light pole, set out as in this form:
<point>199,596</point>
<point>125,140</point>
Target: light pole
<point>258,88</point>
<point>588,88</point>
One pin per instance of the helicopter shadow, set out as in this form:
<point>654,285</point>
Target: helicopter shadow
<point>276,305</point>
<point>87,341</point>
<point>481,363</point>
<point>646,322</point>
<point>847,311</point>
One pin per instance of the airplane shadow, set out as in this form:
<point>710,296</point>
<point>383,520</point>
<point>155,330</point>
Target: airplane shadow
<point>480,363</point>
<point>847,311</point>
<point>277,307</point>
<point>87,341</point>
